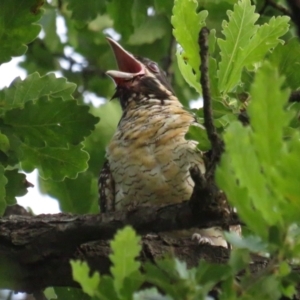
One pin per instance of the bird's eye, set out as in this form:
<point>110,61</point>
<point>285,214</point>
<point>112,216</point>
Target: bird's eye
<point>153,67</point>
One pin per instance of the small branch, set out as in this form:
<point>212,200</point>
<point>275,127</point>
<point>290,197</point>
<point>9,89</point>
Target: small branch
<point>207,108</point>
<point>216,143</point>
<point>205,186</point>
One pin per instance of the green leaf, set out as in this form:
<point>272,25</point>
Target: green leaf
<point>16,186</point>
<point>126,248</point>
<point>85,11</point>
<point>80,273</point>
<point>14,152</point>
<point>139,12</point>
<point>217,13</point>
<point>208,273</point>
<point>238,32</point>
<point>187,24</point>
<point>265,39</point>
<point>163,275</point>
<point>122,21</point>
<point>53,123</point>
<point>151,293</point>
<point>17,28</point>
<point>239,260</point>
<point>4,143</point>
<point>55,163</point>
<point>164,6</point>
<point>285,180</point>
<point>3,182</point>
<point>51,38</point>
<point>33,88</point>
<point>284,269</point>
<point>187,73</point>
<point>246,43</point>
<point>71,192</point>
<point>267,288</point>
<point>151,29</point>
<point>39,57</point>
<point>182,269</point>
<point>289,291</point>
<point>242,180</point>
<point>106,289</point>
<point>199,135</point>
<point>252,243</point>
<point>110,114</point>
<point>286,58</point>
<point>268,126</point>
<point>215,93</point>
<point>268,139</point>
<point>259,177</point>
<point>64,293</point>
<point>50,293</point>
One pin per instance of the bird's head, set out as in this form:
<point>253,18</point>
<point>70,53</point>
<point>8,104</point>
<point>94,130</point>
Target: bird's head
<point>137,78</point>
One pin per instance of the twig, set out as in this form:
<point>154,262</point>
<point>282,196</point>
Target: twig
<point>216,143</point>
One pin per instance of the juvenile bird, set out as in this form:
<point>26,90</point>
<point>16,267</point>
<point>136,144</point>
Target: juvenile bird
<point>148,158</point>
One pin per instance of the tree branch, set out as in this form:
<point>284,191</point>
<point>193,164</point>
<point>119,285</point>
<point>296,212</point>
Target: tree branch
<point>35,250</point>
<point>49,232</point>
<point>54,269</point>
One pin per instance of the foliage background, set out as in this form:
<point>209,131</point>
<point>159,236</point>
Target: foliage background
<point>82,56</point>
<point>45,122</point>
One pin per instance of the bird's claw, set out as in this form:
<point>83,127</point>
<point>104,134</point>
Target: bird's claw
<point>202,239</point>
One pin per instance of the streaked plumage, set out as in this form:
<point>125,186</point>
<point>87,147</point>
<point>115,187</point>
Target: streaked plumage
<point>148,158</point>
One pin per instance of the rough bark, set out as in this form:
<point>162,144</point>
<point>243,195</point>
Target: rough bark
<point>35,250</point>
<point>36,255</point>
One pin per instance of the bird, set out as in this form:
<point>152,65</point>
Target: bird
<point>148,159</point>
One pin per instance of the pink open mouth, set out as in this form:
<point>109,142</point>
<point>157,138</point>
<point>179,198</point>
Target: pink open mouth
<point>129,67</point>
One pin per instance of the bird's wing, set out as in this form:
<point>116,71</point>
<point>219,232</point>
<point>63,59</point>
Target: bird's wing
<point>106,185</point>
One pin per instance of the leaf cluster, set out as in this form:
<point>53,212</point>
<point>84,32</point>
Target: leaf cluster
<point>46,123</point>
<point>42,127</point>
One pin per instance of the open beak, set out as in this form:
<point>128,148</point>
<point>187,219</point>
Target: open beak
<point>128,65</point>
